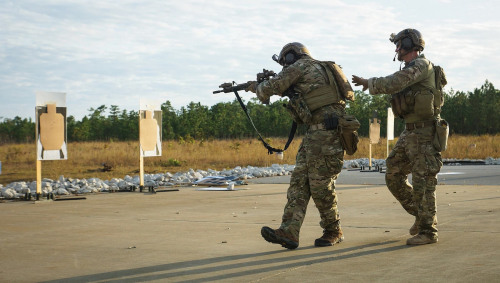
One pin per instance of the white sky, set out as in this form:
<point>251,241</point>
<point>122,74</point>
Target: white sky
<point>116,52</point>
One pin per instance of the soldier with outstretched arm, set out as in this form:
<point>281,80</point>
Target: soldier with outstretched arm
<point>417,98</point>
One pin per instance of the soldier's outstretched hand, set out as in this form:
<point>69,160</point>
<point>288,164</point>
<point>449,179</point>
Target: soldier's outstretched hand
<point>359,81</point>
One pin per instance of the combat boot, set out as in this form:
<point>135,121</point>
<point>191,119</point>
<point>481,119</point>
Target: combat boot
<point>421,239</point>
<point>329,238</point>
<point>414,229</point>
<point>279,236</point>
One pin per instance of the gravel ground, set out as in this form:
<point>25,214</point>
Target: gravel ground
<point>237,175</point>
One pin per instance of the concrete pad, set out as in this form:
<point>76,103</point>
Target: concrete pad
<point>200,236</point>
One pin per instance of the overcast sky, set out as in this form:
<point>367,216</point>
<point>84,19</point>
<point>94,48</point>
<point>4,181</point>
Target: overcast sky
<point>117,52</point>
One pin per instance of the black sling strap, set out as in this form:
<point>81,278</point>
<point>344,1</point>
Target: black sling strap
<point>269,148</point>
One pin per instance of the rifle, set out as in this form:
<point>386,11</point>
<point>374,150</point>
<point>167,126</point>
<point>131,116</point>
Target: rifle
<point>232,87</point>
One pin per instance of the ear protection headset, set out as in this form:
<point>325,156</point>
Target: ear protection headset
<point>407,43</point>
<point>290,58</point>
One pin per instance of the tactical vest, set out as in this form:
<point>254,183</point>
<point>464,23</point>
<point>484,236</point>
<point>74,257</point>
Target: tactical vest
<point>337,90</point>
<point>422,101</point>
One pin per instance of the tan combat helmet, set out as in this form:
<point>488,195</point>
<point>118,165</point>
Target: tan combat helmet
<point>409,39</point>
<point>291,52</point>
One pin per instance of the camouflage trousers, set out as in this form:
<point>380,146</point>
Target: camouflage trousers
<point>415,154</point>
<point>318,163</point>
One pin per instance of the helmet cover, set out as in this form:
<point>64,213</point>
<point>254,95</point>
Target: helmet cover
<point>417,42</point>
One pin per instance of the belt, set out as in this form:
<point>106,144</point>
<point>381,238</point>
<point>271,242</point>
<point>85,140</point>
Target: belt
<point>317,127</point>
<point>418,125</point>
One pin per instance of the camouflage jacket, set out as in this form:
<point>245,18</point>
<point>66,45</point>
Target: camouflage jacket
<point>303,76</point>
<point>417,76</point>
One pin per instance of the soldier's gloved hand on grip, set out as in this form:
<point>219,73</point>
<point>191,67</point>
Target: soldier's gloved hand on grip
<point>252,86</point>
<point>359,81</point>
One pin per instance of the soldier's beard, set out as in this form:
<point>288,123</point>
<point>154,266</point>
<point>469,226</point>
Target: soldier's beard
<point>402,53</point>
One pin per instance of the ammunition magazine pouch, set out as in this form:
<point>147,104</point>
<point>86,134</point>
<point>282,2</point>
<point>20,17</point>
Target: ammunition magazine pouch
<point>396,105</point>
<point>299,110</point>
<point>421,102</point>
<point>424,101</point>
<point>424,104</point>
<point>402,103</point>
<point>331,122</point>
<point>440,141</point>
<point>348,126</point>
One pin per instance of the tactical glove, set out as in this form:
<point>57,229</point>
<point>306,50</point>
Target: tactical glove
<point>359,81</point>
<point>252,86</point>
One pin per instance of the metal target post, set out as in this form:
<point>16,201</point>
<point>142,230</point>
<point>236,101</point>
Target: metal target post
<point>374,138</point>
<point>390,127</point>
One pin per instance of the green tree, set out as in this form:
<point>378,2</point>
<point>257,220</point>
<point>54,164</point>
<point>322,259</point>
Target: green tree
<point>193,120</point>
<point>97,123</point>
<point>169,121</point>
<point>17,130</point>
<point>455,110</point>
<point>228,120</point>
<point>468,113</point>
<point>474,112</point>
<point>113,123</point>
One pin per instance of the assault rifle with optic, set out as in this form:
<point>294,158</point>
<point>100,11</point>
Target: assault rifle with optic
<point>231,87</point>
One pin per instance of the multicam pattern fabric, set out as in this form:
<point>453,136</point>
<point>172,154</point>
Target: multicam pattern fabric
<point>413,152</point>
<point>415,80</point>
<point>419,71</point>
<point>320,156</point>
<point>303,76</point>
<point>318,163</point>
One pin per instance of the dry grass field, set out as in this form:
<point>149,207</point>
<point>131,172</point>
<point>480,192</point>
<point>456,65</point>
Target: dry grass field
<point>85,159</point>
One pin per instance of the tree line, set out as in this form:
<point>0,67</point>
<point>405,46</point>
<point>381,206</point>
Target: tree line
<point>468,113</point>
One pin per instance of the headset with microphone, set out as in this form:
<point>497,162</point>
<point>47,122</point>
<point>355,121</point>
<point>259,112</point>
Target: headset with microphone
<point>290,58</point>
<point>405,44</point>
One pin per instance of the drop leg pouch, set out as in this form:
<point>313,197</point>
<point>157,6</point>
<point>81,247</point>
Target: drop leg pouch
<point>348,126</point>
<point>440,141</point>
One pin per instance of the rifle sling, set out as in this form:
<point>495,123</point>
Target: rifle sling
<point>269,148</point>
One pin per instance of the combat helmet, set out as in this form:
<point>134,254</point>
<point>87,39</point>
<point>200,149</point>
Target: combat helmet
<point>409,39</point>
<point>290,53</point>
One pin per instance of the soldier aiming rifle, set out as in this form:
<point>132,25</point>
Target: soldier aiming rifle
<point>317,98</point>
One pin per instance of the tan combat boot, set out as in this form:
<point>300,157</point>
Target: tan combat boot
<point>414,229</point>
<point>329,238</point>
<point>421,239</point>
<point>279,236</point>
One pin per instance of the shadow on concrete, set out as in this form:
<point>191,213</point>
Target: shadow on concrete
<point>250,264</point>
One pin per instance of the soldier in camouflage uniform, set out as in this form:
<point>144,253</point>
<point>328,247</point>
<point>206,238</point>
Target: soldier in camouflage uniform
<point>413,91</point>
<point>315,102</point>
